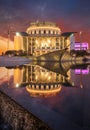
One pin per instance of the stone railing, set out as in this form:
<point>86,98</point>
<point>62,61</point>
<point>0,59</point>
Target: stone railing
<point>18,117</point>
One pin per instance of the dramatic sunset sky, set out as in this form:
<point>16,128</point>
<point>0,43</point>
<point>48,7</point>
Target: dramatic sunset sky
<point>70,15</point>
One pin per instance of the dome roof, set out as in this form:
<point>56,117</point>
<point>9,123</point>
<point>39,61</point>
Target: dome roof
<point>43,28</point>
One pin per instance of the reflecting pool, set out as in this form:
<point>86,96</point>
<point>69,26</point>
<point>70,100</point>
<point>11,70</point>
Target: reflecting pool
<point>51,89</point>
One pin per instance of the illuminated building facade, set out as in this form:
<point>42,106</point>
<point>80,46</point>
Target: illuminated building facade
<point>41,38</point>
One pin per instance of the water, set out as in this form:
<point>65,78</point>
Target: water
<point>56,93</point>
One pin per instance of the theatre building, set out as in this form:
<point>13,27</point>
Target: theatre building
<point>41,38</point>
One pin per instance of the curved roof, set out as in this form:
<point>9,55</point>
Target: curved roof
<point>43,25</point>
<point>67,34</point>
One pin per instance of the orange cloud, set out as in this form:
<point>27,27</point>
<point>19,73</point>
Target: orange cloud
<point>4,44</point>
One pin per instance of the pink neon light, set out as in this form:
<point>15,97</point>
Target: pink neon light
<point>82,46</point>
<point>82,71</point>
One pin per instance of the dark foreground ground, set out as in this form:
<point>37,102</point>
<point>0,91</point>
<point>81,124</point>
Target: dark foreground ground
<point>4,125</point>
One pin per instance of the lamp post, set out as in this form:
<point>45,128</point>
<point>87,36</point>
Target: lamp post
<point>8,39</point>
<point>80,40</point>
<point>9,35</point>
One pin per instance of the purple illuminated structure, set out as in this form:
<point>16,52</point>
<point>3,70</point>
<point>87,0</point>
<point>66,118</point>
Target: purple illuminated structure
<point>82,71</point>
<point>81,46</point>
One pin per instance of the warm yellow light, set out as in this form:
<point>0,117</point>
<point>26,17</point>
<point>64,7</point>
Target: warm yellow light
<point>36,77</point>
<point>17,34</point>
<point>37,86</point>
<point>43,91</point>
<point>46,74</point>
<point>17,85</point>
<point>49,41</point>
<point>51,32</point>
<point>32,32</point>
<point>46,31</point>
<point>42,32</point>
<point>37,32</point>
<point>47,87</point>
<point>49,78</point>
<point>36,41</point>
<point>43,27</point>
<point>42,87</point>
<point>43,44</point>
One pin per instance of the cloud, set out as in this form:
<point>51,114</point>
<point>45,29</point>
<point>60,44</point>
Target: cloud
<point>70,14</point>
<point>4,43</point>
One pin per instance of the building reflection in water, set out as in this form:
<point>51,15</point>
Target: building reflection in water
<point>82,71</point>
<point>44,78</point>
<point>40,81</point>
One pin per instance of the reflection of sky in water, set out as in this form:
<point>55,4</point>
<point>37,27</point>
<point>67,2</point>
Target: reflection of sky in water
<point>72,102</point>
<point>5,75</point>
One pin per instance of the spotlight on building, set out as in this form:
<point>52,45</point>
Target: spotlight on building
<point>17,34</point>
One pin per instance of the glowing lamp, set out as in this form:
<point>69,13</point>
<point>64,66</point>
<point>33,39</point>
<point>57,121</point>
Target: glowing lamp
<point>17,85</point>
<point>17,34</point>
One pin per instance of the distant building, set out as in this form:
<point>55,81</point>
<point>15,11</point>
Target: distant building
<point>81,46</point>
<point>41,38</point>
<point>21,41</point>
<point>84,71</point>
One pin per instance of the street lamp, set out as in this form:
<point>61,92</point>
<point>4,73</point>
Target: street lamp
<point>80,40</point>
<point>9,33</point>
<point>8,39</point>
